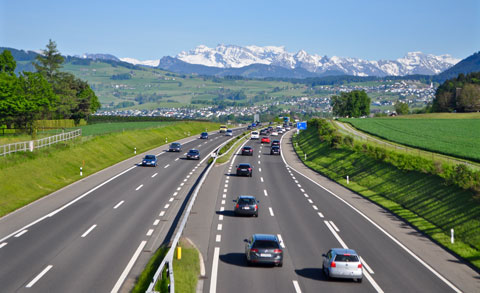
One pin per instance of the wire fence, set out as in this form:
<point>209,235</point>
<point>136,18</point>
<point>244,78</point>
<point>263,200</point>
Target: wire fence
<point>31,145</point>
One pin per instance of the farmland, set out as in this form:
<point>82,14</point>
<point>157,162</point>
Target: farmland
<point>454,137</point>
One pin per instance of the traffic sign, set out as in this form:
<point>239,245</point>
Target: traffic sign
<point>302,125</point>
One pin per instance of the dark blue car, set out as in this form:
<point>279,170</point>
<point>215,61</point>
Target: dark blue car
<point>204,135</point>
<point>149,160</point>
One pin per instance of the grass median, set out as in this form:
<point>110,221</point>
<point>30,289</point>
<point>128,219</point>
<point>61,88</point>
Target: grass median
<point>27,176</point>
<point>425,201</point>
<point>229,149</point>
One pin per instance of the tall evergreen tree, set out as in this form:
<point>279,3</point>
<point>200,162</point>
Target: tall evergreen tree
<point>7,62</point>
<point>49,62</point>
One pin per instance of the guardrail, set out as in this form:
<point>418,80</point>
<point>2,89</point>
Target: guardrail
<point>168,259</point>
<point>31,145</point>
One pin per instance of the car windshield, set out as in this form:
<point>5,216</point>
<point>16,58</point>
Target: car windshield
<point>246,201</point>
<point>149,157</point>
<point>265,244</point>
<point>346,258</point>
<point>243,166</point>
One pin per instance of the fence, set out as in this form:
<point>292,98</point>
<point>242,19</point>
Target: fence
<point>39,143</point>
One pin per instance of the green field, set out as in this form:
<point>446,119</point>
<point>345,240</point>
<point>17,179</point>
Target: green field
<point>455,137</point>
<point>425,201</point>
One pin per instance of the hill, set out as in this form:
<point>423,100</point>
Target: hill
<point>467,65</point>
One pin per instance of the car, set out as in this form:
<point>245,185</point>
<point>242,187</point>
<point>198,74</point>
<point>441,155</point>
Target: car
<point>264,132</point>
<point>193,154</point>
<point>275,142</point>
<point>249,127</point>
<point>265,139</point>
<point>287,128</point>
<point>175,147</point>
<point>274,133</point>
<point>275,150</point>
<point>244,169</point>
<point>254,135</point>
<point>263,249</point>
<point>204,135</point>
<point>149,160</point>
<point>246,205</point>
<point>342,263</point>
<point>223,128</point>
<point>229,132</point>
<point>247,151</point>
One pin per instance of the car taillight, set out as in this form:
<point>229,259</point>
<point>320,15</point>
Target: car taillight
<point>277,251</point>
<point>249,169</point>
<point>359,265</point>
<point>237,205</point>
<point>256,207</point>
<point>254,250</point>
<point>238,169</point>
<point>333,264</point>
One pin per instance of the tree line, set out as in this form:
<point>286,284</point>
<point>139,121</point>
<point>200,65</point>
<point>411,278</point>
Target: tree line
<point>47,93</point>
<point>351,104</point>
<point>460,94</point>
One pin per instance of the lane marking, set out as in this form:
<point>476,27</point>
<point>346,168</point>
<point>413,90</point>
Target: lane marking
<point>181,184</point>
<point>224,195</point>
<point>150,232</point>
<point>259,156</point>
<point>259,162</point>
<point>39,276</point>
<point>118,204</point>
<point>129,266</point>
<point>366,265</point>
<point>381,229</point>
<point>213,278</point>
<point>224,190</point>
<point>302,190</point>
<point>281,241</point>
<point>259,169</point>
<point>265,192</point>
<point>222,209</point>
<point>218,238</point>
<point>293,177</point>
<point>176,159</point>
<point>166,166</point>
<point>3,244</point>
<point>296,181</point>
<point>185,180</point>
<point>299,185</point>
<point>310,201</point>
<point>188,176</point>
<point>296,286</point>
<point>219,227</point>
<point>21,233</point>
<point>372,281</point>
<point>178,189</point>
<point>271,211</point>
<point>226,181</point>
<point>320,215</point>
<point>223,201</point>
<point>154,175</point>
<point>335,234</point>
<point>171,199</point>
<point>315,207</point>
<point>88,231</point>
<point>166,206</point>
<point>261,179</point>
<point>306,195</point>
<point>226,185</point>
<point>162,213</point>
<point>220,217</point>
<point>156,222</point>
<point>175,193</point>
<point>141,185</point>
<point>334,227</point>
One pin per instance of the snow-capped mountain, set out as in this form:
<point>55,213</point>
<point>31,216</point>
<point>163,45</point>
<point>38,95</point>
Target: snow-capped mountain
<point>230,56</point>
<point>153,63</point>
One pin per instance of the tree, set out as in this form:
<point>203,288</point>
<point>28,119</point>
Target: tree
<point>7,62</point>
<point>10,107</point>
<point>49,62</point>
<point>401,108</point>
<point>469,98</point>
<point>352,104</point>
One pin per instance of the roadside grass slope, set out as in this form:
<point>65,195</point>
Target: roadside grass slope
<point>455,137</point>
<point>27,177</point>
<point>423,200</point>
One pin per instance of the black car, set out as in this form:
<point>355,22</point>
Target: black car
<point>204,135</point>
<point>175,147</point>
<point>244,170</point>
<point>247,151</point>
<point>263,249</point>
<point>275,150</point>
<point>246,205</point>
<point>149,160</point>
<point>193,155</point>
<point>275,142</point>
<point>264,132</point>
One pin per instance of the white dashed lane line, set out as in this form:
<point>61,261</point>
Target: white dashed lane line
<point>154,175</point>
<point>175,193</point>
<point>167,206</point>
<point>310,201</point>
<point>150,232</point>
<point>219,227</point>
<point>176,159</point>
<point>296,286</point>
<point>138,188</point>
<point>261,179</point>
<point>281,241</point>
<point>88,231</point>
<point>162,213</point>
<point>21,233</point>
<point>320,214</point>
<point>39,276</point>
<point>223,201</point>
<point>118,204</point>
<point>166,166</point>
<point>306,195</point>
<point>259,169</point>
<point>156,222</point>
<point>171,199</point>
<point>3,244</point>
<point>271,211</point>
<point>265,192</point>
<point>218,238</point>
<point>220,217</point>
<point>315,207</point>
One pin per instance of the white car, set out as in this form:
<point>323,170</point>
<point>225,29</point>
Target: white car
<point>254,135</point>
<point>229,132</point>
<point>274,133</point>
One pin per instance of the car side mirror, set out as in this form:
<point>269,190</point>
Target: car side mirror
<point>245,240</point>
<point>324,255</point>
<point>234,200</point>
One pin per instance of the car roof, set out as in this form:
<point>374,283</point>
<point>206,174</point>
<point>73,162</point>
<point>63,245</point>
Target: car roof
<point>150,156</point>
<point>246,196</point>
<point>247,146</point>
<point>344,251</point>
<point>204,133</point>
<point>175,143</point>
<point>275,146</point>
<point>229,130</point>
<point>265,237</point>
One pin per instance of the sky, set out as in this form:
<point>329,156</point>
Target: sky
<point>151,29</point>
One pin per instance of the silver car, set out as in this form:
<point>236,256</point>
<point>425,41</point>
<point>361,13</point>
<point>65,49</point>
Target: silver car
<point>342,263</point>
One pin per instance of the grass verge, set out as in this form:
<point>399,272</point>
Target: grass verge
<point>423,200</point>
<point>230,148</point>
<point>187,269</point>
<point>146,277</point>
<point>27,177</point>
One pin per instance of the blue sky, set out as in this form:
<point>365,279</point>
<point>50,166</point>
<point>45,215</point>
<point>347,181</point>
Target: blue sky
<point>152,29</point>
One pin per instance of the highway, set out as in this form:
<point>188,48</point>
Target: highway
<point>91,244</point>
<point>310,221</point>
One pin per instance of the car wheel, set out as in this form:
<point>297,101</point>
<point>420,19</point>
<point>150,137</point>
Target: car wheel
<point>256,215</point>
<point>359,280</point>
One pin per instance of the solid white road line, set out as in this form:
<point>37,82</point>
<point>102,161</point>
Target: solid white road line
<point>296,286</point>
<point>219,227</point>
<point>3,244</point>
<point>320,214</point>
<point>315,207</point>
<point>88,231</point>
<point>334,227</point>
<point>281,240</point>
<point>271,211</point>
<point>39,276</point>
<point>261,179</point>
<point>335,234</point>
<point>265,192</point>
<point>129,266</point>
<point>218,238</point>
<point>141,185</point>
<point>166,206</point>
<point>372,281</point>
<point>150,232</point>
<point>156,222</point>
<point>213,277</point>
<point>168,165</point>
<point>21,233</point>
<point>366,266</point>
<point>162,213</point>
<point>154,175</point>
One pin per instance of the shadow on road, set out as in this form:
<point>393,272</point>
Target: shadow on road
<point>312,273</point>
<point>237,259</point>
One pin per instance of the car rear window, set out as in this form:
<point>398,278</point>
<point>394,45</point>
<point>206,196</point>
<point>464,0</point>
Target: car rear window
<point>265,244</point>
<point>246,201</point>
<point>193,152</point>
<point>346,258</point>
<point>243,166</point>
<point>247,148</point>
